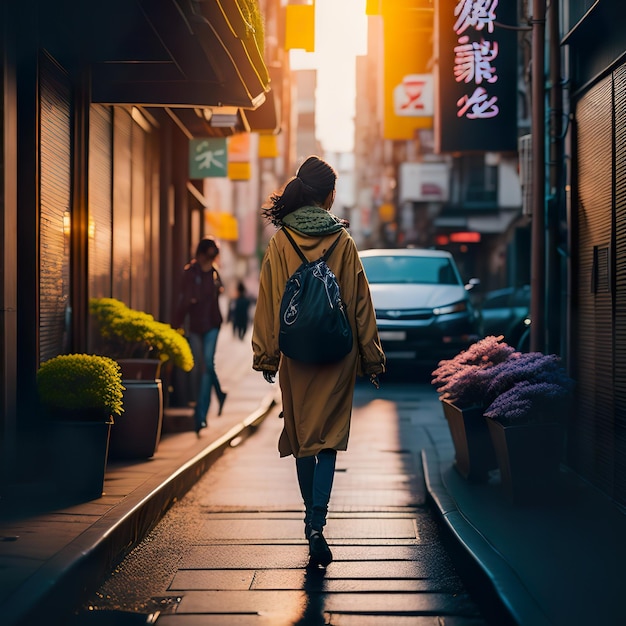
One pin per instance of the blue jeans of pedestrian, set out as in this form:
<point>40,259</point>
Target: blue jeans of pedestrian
<point>315,478</point>
<point>205,344</point>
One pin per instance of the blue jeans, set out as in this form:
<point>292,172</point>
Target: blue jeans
<point>315,478</point>
<point>205,345</point>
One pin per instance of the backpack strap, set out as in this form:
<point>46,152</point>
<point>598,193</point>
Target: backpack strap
<point>296,247</point>
<point>332,247</point>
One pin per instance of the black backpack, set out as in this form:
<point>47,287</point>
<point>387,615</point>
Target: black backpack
<point>314,327</point>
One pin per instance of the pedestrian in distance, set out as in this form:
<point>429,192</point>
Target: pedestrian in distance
<point>240,312</point>
<point>198,306</point>
<point>316,398</point>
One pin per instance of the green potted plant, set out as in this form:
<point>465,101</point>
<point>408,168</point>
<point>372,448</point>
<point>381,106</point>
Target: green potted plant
<point>461,383</point>
<point>141,346</point>
<point>81,394</point>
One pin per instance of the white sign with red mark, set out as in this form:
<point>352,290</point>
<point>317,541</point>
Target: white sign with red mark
<point>414,97</point>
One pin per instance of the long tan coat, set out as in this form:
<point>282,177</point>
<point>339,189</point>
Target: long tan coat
<point>317,399</point>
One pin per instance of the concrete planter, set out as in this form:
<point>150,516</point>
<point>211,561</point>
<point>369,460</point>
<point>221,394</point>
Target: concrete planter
<point>528,457</point>
<point>474,453</point>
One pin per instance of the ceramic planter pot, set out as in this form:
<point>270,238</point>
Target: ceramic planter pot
<point>528,457</point>
<point>79,458</point>
<point>140,369</point>
<point>137,431</point>
<point>474,454</point>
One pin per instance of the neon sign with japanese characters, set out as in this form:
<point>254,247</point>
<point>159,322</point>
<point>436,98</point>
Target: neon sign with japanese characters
<point>477,76</point>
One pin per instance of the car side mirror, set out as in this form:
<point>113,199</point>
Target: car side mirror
<point>472,284</point>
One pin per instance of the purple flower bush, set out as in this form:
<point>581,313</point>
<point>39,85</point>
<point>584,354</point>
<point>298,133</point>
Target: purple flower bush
<point>531,367</point>
<point>529,387</point>
<point>527,403</point>
<point>512,387</point>
<point>463,379</point>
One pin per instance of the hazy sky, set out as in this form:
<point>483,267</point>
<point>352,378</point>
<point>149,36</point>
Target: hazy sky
<point>340,34</point>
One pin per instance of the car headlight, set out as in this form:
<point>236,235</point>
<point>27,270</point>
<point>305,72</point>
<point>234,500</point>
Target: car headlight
<point>457,307</point>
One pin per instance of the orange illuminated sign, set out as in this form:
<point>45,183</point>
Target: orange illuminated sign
<point>300,27</point>
<point>465,237</point>
<point>408,81</point>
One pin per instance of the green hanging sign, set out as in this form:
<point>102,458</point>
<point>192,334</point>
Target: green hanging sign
<point>208,158</point>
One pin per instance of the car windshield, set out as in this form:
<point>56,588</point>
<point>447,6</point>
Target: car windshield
<point>409,269</point>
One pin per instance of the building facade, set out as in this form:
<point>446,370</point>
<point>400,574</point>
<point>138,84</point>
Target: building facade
<point>575,235</point>
<point>413,190</point>
<point>100,103</point>
<point>593,45</point>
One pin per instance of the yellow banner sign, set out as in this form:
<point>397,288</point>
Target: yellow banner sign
<point>408,83</point>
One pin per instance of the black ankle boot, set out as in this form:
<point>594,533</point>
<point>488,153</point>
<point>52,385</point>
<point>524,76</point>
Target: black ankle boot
<point>221,398</point>
<point>319,551</point>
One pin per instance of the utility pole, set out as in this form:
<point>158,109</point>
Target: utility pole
<point>538,248</point>
<point>555,342</point>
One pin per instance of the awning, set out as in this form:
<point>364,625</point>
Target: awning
<point>175,53</point>
<point>225,121</point>
<point>266,119</point>
<point>493,223</point>
<point>206,122</point>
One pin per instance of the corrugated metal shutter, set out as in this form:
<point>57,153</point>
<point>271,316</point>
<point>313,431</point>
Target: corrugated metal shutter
<point>122,169</point>
<point>100,200</point>
<point>55,210</point>
<point>620,285</point>
<point>592,433</point>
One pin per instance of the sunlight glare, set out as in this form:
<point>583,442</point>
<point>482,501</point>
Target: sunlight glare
<point>340,35</point>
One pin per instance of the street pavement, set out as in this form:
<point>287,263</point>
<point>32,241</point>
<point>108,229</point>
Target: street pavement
<point>232,551</point>
<point>50,556</point>
<point>558,562</point>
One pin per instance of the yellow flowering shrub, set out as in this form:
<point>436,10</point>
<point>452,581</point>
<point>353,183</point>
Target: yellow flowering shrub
<point>134,334</point>
<point>81,381</point>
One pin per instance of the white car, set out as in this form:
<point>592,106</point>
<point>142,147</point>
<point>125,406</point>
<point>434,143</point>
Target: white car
<point>423,309</point>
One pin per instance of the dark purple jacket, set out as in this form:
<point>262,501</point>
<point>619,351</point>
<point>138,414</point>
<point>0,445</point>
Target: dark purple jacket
<point>198,299</point>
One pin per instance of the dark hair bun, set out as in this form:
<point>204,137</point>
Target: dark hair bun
<point>317,175</point>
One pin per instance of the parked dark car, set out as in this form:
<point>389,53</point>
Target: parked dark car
<point>505,312</point>
<point>423,310</point>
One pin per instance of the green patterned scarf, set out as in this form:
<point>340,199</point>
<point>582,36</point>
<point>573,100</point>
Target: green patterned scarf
<point>313,220</point>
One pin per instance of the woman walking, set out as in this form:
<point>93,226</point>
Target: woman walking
<point>316,399</point>
<point>198,300</point>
